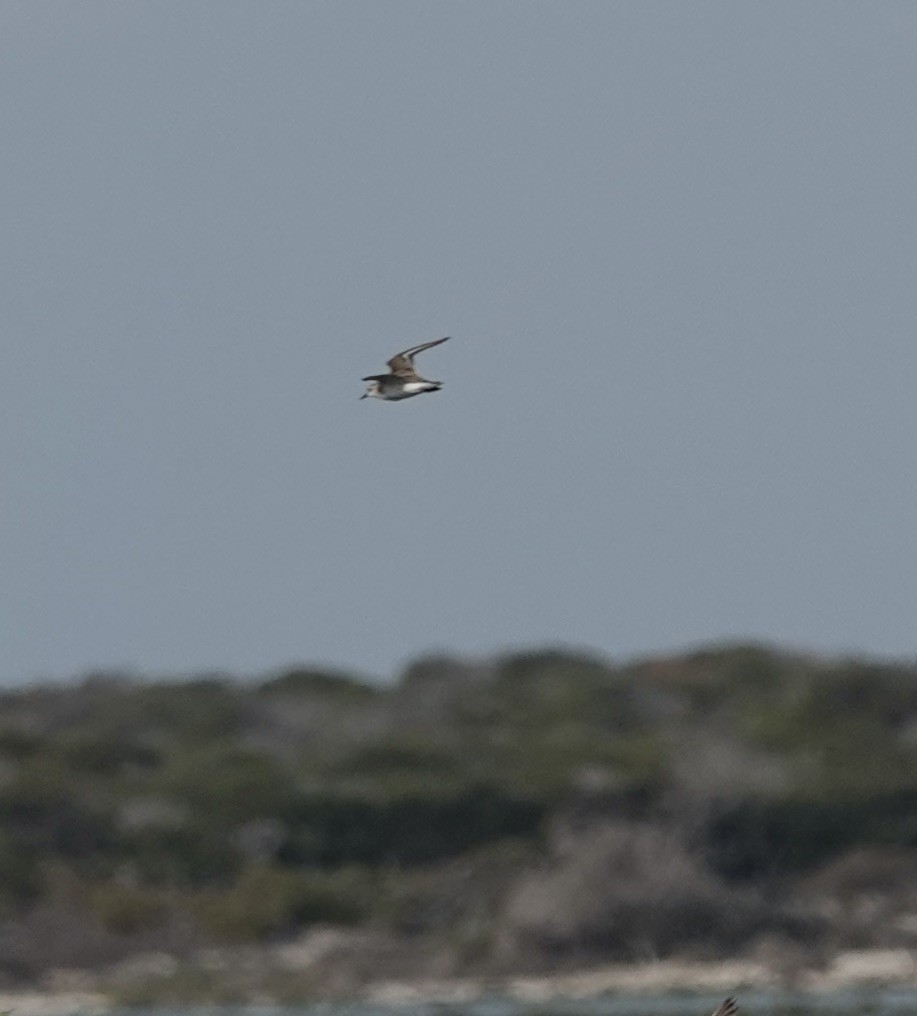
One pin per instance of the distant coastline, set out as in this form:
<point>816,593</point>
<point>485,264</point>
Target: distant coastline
<point>540,825</point>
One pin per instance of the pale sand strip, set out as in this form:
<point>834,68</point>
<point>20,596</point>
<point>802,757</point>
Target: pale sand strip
<point>878,967</point>
<point>45,1003</point>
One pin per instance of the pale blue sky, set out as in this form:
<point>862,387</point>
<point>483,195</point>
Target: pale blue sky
<point>675,245</point>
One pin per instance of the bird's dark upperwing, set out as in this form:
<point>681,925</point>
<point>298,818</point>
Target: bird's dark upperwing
<point>727,1008</point>
<point>402,364</point>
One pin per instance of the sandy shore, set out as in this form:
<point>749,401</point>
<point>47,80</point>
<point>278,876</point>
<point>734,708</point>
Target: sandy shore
<point>889,967</point>
<point>860,969</point>
<point>42,1003</point>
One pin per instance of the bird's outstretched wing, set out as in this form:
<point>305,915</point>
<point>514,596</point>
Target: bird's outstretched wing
<point>402,364</point>
<point>726,1008</point>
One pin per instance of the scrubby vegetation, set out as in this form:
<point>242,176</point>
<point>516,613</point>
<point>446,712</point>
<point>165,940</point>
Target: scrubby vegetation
<point>546,808</point>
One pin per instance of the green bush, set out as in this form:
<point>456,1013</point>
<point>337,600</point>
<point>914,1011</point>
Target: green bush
<point>195,711</point>
<point>127,909</point>
<point>88,751</point>
<point>269,901</point>
<point>226,782</point>
<point>188,855</point>
<point>331,830</point>
<point>18,744</point>
<point>300,681</point>
<point>20,871</point>
<point>765,838</point>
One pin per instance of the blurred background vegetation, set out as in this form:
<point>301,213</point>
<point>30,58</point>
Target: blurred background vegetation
<point>549,807</point>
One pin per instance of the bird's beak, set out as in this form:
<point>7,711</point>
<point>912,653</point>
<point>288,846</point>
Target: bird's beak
<point>363,396</point>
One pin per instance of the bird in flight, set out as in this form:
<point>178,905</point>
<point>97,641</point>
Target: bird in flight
<point>403,381</point>
<point>727,1008</point>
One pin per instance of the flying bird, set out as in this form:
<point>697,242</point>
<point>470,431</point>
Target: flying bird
<point>403,381</point>
<point>727,1008</point>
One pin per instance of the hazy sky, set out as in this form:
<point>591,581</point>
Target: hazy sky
<point>675,245</point>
